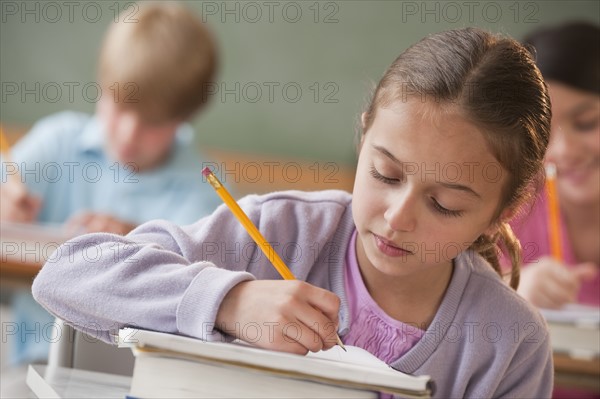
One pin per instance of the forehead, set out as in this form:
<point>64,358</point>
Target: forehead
<point>417,132</point>
<point>436,144</point>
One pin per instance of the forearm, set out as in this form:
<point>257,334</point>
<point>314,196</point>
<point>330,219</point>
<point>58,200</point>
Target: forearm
<point>102,282</point>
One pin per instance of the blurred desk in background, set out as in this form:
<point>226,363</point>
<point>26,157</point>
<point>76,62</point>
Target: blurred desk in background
<point>575,336</point>
<point>247,173</point>
<point>24,248</point>
<point>253,173</point>
<point>582,374</point>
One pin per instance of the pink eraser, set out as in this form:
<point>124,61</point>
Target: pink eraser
<point>206,171</point>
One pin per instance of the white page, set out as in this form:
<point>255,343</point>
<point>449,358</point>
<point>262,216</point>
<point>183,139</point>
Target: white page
<point>573,313</point>
<point>353,355</point>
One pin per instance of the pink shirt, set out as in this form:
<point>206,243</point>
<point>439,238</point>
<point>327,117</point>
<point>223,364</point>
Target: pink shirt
<point>532,231</point>
<point>370,327</point>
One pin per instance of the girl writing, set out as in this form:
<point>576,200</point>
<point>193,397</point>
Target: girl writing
<point>406,267</point>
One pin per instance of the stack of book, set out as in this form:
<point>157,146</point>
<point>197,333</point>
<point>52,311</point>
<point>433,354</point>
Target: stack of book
<point>575,330</point>
<point>168,365</point>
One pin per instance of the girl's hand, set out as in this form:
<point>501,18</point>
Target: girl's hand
<point>289,316</point>
<point>550,284</point>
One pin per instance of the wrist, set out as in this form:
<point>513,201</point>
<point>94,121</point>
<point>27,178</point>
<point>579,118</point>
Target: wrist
<point>197,310</point>
<point>226,313</point>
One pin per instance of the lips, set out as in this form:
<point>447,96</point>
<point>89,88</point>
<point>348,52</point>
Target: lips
<point>577,175</point>
<point>388,248</point>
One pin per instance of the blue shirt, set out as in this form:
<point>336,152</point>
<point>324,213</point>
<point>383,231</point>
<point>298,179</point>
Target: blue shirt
<point>63,161</point>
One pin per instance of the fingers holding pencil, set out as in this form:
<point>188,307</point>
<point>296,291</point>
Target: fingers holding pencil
<point>290,316</point>
<point>256,235</point>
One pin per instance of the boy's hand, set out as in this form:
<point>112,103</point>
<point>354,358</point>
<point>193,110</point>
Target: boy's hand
<point>91,222</point>
<point>290,316</point>
<point>17,204</point>
<point>549,284</point>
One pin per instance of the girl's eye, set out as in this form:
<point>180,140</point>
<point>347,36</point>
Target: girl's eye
<point>444,211</point>
<point>584,126</point>
<point>382,178</point>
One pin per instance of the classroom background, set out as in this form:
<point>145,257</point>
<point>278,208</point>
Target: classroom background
<point>294,76</point>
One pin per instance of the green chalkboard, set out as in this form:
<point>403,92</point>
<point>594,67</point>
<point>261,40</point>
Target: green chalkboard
<point>294,77</point>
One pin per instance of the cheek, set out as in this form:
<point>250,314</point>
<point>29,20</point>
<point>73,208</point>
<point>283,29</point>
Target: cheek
<point>592,142</point>
<point>359,197</point>
<point>456,234</point>
<point>366,203</point>
<point>154,142</point>
<point>447,242</point>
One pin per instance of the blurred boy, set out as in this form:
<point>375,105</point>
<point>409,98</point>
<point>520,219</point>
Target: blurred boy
<point>131,162</point>
<point>135,159</point>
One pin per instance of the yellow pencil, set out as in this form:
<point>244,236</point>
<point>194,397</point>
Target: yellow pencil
<point>4,146</point>
<point>554,233</point>
<point>258,238</point>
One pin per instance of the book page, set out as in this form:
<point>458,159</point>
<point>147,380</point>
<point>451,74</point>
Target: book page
<point>354,355</point>
<point>573,313</point>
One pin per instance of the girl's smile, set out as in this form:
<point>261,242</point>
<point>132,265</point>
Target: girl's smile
<point>574,144</point>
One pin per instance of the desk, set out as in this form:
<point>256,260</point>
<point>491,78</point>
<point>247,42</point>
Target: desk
<point>61,382</point>
<point>570,372</point>
<point>47,381</point>
<point>25,248</point>
<point>14,269</point>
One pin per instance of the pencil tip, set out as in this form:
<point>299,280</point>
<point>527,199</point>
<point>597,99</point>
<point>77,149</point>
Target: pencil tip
<point>206,171</point>
<point>340,344</point>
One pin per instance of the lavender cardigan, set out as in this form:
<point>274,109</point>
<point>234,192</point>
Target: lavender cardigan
<point>485,341</point>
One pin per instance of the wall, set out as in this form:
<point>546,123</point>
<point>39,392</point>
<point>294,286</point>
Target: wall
<point>333,51</point>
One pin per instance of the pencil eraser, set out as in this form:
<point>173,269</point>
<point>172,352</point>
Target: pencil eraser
<point>206,171</point>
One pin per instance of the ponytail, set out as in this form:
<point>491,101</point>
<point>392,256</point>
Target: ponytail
<point>489,248</point>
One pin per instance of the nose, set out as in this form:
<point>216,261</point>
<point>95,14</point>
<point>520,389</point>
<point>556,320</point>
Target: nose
<point>401,211</point>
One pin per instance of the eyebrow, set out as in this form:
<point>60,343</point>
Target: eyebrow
<point>453,186</point>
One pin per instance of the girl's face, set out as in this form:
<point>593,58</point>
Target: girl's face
<point>426,187</point>
<point>575,143</point>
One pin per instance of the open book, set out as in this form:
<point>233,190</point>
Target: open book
<point>174,365</point>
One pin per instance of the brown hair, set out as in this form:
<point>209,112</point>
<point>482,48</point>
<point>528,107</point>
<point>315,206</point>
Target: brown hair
<point>158,62</point>
<point>579,43</point>
<point>495,82</point>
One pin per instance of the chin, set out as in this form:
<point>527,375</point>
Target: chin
<point>582,194</point>
<point>583,197</point>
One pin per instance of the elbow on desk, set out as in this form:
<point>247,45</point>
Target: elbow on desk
<point>56,281</point>
<point>43,289</point>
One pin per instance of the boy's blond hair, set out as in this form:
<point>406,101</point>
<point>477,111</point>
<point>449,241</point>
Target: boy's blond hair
<point>158,61</point>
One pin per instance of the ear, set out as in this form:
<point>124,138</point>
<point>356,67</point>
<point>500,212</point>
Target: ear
<point>506,215</point>
<point>363,120</point>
